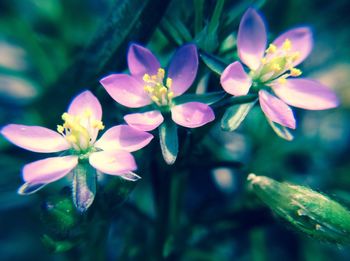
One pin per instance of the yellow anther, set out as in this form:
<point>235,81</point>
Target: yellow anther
<point>163,90</point>
<point>295,72</point>
<point>153,77</point>
<point>146,77</point>
<point>276,67</point>
<point>170,95</point>
<point>98,124</point>
<point>155,98</point>
<point>65,116</point>
<point>295,56</point>
<point>287,45</point>
<point>272,48</point>
<point>169,82</point>
<point>148,89</point>
<point>263,61</point>
<point>161,73</point>
<point>282,80</point>
<point>60,128</point>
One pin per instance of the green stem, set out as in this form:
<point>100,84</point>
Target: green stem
<point>235,100</point>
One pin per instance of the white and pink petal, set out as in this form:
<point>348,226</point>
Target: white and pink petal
<point>48,170</point>
<point>307,94</point>
<point>183,68</point>
<point>145,121</point>
<point>113,162</point>
<point>84,102</point>
<point>123,137</point>
<point>141,61</point>
<point>251,39</point>
<point>126,90</point>
<point>35,138</point>
<point>192,114</point>
<point>235,80</point>
<point>276,110</point>
<point>301,42</point>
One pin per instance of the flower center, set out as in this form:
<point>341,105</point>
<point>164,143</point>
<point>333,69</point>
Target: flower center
<point>277,63</point>
<point>80,130</point>
<point>159,92</point>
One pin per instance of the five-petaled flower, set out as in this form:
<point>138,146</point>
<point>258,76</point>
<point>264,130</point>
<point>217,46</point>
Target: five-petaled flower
<point>151,84</point>
<point>272,70</point>
<point>77,138</point>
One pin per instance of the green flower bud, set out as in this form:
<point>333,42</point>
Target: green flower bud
<point>306,210</point>
<point>60,216</point>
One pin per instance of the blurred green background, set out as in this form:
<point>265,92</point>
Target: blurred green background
<point>51,50</point>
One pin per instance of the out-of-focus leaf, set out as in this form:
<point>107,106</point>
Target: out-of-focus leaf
<point>57,246</point>
<point>129,20</point>
<point>280,130</point>
<point>235,115</point>
<point>169,142</point>
<point>207,98</point>
<point>213,63</point>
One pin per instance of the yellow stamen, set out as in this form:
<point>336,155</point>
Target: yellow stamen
<point>282,80</point>
<point>155,98</point>
<point>60,128</point>
<point>263,61</point>
<point>163,90</point>
<point>161,73</point>
<point>295,72</point>
<point>71,138</point>
<point>146,77</point>
<point>276,67</point>
<point>169,82</point>
<point>148,89</point>
<point>287,45</point>
<point>170,95</point>
<point>272,48</point>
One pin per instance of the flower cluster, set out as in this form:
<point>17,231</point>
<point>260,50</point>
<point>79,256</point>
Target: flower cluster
<point>155,91</point>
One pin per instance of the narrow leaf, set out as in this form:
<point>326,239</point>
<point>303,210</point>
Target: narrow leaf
<point>235,115</point>
<point>207,98</point>
<point>84,186</point>
<point>169,142</point>
<point>281,131</point>
<point>213,63</point>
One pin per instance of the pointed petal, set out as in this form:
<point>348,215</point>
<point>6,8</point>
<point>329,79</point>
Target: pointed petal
<point>192,114</point>
<point>35,138</point>
<point>123,137</point>
<point>48,170</point>
<point>251,39</point>
<point>307,94</point>
<point>235,80</point>
<point>142,61</point>
<point>126,90</point>
<point>113,162</point>
<point>183,68</point>
<point>276,110</point>
<point>146,121</point>
<point>301,39</point>
<point>86,101</point>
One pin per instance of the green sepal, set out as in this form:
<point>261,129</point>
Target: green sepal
<point>235,115</point>
<point>306,210</point>
<point>214,63</point>
<point>83,186</point>
<point>207,98</point>
<point>281,131</point>
<point>169,141</point>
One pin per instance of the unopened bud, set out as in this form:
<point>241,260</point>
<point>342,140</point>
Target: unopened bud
<point>308,211</point>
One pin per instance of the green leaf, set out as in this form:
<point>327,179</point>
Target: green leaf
<point>281,131</point>
<point>207,98</point>
<point>57,246</point>
<point>169,142</point>
<point>214,63</point>
<point>84,186</point>
<point>235,115</point>
<point>214,21</point>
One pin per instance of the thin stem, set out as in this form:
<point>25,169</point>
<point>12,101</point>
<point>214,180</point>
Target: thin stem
<point>235,100</point>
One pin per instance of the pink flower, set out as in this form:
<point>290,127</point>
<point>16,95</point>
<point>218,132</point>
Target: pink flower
<point>151,84</point>
<point>271,69</point>
<point>77,138</point>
